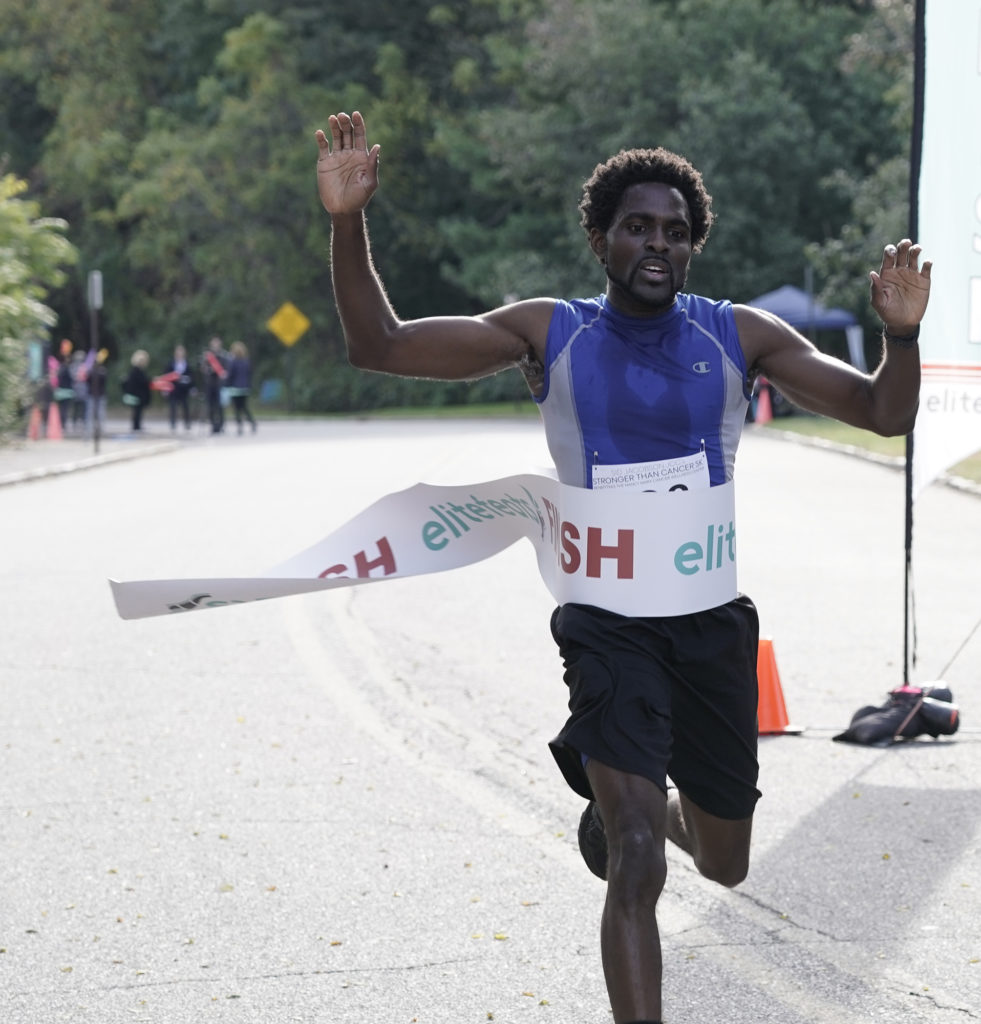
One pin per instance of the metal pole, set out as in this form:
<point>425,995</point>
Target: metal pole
<point>94,344</point>
<point>95,304</point>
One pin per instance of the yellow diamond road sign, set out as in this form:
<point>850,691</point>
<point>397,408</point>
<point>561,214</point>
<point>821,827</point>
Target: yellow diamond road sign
<point>288,324</point>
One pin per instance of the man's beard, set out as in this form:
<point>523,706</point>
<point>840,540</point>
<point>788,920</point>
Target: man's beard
<point>628,286</point>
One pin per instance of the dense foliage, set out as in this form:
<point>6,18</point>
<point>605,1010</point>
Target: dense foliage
<point>33,253</point>
<point>176,138</point>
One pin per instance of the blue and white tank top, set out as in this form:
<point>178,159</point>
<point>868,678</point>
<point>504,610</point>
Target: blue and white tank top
<point>621,389</point>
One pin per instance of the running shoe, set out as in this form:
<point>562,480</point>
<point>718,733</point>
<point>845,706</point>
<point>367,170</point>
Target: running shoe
<point>592,840</point>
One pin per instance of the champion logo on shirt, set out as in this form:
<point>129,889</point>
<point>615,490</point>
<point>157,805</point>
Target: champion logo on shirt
<point>702,367</point>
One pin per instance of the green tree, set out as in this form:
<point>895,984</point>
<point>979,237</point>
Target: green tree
<point>33,252</point>
<point>222,221</point>
<point>878,200</point>
<point>176,137</point>
<point>93,70</point>
<point>757,93</point>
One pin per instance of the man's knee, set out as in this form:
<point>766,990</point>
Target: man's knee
<point>637,867</point>
<point>719,846</point>
<point>728,870</point>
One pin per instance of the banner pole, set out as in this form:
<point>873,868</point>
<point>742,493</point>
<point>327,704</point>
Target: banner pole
<point>916,153</point>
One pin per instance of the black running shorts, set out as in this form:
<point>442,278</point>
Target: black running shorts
<point>664,697</point>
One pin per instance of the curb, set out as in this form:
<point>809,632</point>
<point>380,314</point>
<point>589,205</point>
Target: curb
<point>27,475</point>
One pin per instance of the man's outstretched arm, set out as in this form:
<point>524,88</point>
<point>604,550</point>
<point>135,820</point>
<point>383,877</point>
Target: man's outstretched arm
<point>884,401</point>
<point>446,348</point>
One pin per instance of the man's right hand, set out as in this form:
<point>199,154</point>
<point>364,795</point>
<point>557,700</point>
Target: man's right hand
<point>347,171</point>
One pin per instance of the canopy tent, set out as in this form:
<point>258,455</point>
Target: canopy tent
<point>801,311</point>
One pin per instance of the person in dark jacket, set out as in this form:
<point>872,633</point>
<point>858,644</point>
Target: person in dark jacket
<point>64,392</point>
<point>181,378</point>
<point>136,387</point>
<point>239,383</point>
<point>214,365</point>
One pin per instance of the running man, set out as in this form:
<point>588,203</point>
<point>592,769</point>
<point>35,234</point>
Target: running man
<point>641,374</point>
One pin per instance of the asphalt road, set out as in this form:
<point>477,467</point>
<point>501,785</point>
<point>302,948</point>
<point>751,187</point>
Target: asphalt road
<point>340,808</point>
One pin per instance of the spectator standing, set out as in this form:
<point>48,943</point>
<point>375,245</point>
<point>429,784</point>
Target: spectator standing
<point>136,387</point>
<point>96,412</point>
<point>215,367</point>
<point>64,391</point>
<point>182,385</point>
<point>43,397</point>
<point>80,393</point>
<point>239,383</point>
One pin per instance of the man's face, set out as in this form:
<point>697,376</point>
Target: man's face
<point>646,250</point>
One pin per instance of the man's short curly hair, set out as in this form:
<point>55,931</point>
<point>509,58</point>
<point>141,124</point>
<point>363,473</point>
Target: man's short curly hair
<point>603,191</point>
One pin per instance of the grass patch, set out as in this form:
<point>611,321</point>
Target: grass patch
<point>841,433</point>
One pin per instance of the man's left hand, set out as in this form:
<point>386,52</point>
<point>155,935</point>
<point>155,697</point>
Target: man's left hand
<point>900,289</point>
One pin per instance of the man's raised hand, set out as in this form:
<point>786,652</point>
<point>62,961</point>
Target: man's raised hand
<point>901,288</point>
<point>347,171</point>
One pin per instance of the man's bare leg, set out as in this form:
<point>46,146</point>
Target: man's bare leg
<point>633,811</point>
<point>637,817</point>
<point>719,847</point>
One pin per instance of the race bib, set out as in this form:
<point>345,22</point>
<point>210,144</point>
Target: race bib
<point>688,473</point>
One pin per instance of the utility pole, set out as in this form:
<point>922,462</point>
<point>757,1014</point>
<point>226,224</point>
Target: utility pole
<point>95,304</point>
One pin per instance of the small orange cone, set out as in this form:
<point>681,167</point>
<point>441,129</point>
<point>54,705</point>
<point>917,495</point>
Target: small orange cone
<point>54,422</point>
<point>772,711</point>
<point>34,424</point>
<point>764,407</point>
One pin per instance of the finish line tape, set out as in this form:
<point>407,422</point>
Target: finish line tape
<point>632,553</point>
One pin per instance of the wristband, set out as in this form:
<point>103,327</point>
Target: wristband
<point>902,340</point>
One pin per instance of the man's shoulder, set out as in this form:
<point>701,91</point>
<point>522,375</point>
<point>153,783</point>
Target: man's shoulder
<point>593,303</point>
<point>702,305</point>
<point>571,318</point>
<point>579,311</point>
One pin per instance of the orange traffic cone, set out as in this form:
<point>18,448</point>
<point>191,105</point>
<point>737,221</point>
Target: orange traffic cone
<point>772,711</point>
<point>54,422</point>
<point>764,407</point>
<point>34,424</point>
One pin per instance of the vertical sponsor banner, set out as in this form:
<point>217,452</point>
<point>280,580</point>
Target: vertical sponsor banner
<point>948,426</point>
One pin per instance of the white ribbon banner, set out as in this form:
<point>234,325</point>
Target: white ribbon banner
<point>632,553</point>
